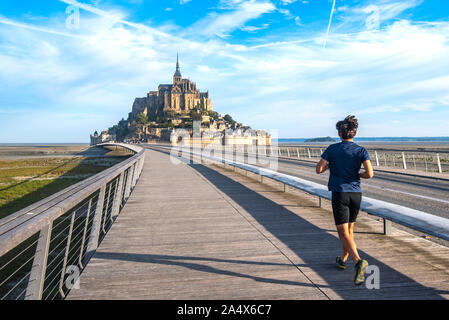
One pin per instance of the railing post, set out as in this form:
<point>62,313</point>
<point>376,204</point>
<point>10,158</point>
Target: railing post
<point>133,179</point>
<point>128,183</point>
<point>288,152</point>
<point>297,152</point>
<point>118,194</point>
<point>403,161</point>
<point>308,151</point>
<point>66,255</point>
<point>83,241</point>
<point>139,172</point>
<point>94,236</point>
<point>377,158</point>
<point>387,227</point>
<point>106,208</point>
<point>37,277</point>
<point>439,163</point>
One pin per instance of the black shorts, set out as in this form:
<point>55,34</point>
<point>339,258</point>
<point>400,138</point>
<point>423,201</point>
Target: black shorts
<point>346,206</point>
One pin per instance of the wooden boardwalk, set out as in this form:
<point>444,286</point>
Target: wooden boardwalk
<point>204,232</point>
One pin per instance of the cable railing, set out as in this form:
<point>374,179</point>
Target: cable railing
<point>384,160</point>
<point>407,160</point>
<point>45,247</point>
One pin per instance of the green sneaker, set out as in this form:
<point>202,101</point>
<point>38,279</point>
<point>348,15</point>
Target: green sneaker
<point>360,272</point>
<point>340,264</point>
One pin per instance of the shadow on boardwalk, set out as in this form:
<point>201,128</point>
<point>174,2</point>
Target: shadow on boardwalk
<point>314,246</point>
<point>180,261</point>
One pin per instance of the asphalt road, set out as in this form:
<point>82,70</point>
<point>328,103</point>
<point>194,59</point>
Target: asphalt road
<point>424,194</point>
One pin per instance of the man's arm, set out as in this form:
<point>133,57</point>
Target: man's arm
<point>322,166</point>
<point>369,173</point>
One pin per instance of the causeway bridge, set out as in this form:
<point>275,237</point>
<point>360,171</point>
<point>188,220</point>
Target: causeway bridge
<point>148,228</point>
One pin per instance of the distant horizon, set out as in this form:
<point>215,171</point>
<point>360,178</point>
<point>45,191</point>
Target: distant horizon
<point>72,69</point>
<point>381,138</point>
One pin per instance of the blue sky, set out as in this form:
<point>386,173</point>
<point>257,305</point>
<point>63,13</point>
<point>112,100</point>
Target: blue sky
<point>269,63</point>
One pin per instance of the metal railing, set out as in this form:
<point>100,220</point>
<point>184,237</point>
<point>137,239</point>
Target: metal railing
<point>411,218</point>
<point>44,247</point>
<point>407,160</point>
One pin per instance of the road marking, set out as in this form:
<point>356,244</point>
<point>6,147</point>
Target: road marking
<point>407,193</point>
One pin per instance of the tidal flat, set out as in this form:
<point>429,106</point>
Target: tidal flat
<point>31,173</point>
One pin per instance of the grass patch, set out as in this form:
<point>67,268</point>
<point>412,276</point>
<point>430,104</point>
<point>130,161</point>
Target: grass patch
<point>24,182</point>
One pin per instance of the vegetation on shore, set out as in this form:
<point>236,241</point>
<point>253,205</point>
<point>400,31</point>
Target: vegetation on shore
<point>130,128</point>
<point>323,139</point>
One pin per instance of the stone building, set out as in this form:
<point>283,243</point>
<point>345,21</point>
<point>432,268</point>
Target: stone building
<point>179,97</point>
<point>101,138</point>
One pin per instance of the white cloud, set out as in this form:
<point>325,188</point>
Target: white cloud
<point>254,28</point>
<point>383,11</point>
<point>382,76</point>
<point>287,2</point>
<point>216,24</point>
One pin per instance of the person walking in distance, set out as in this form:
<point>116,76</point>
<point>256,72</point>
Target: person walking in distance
<point>344,160</point>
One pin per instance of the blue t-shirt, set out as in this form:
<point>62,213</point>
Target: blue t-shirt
<point>345,160</point>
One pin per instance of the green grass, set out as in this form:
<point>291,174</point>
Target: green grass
<point>23,182</point>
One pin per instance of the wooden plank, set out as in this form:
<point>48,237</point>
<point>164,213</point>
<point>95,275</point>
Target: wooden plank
<point>204,232</point>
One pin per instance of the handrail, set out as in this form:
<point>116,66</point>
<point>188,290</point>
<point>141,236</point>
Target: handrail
<point>40,206</point>
<point>83,213</point>
<point>414,219</point>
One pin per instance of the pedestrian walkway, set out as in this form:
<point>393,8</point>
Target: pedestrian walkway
<point>204,232</point>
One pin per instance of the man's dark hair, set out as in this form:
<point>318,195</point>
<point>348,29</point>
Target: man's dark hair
<point>348,127</point>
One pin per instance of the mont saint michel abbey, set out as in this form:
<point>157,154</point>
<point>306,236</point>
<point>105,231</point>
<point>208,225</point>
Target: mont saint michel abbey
<point>159,115</point>
<point>180,97</point>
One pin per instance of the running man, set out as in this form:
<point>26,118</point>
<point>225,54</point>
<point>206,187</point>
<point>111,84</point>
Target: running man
<point>344,160</point>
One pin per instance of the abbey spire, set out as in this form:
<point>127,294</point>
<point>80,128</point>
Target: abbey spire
<point>177,78</point>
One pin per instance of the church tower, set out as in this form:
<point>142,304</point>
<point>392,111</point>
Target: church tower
<point>177,78</point>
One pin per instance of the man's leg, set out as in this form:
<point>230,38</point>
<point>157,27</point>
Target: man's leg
<point>345,252</point>
<point>347,241</point>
